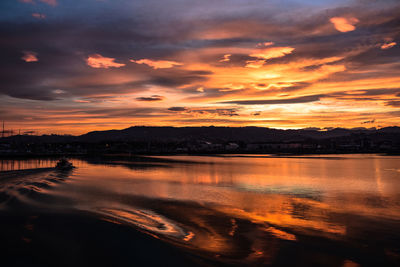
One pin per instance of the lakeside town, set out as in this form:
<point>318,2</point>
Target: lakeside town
<point>206,140</point>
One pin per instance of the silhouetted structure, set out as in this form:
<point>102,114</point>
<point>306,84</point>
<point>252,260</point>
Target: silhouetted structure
<point>162,140</point>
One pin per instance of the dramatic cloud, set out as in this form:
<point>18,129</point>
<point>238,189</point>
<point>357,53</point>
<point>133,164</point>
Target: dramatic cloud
<point>262,63</point>
<point>98,61</point>
<point>178,78</point>
<point>30,56</point>
<point>273,52</point>
<point>394,103</point>
<point>296,100</point>
<point>213,112</point>
<point>368,122</point>
<point>255,64</point>
<point>264,54</point>
<point>265,44</point>
<point>388,45</point>
<point>157,64</point>
<point>344,24</point>
<point>226,58</point>
<point>207,112</point>
<point>178,109</point>
<point>150,98</point>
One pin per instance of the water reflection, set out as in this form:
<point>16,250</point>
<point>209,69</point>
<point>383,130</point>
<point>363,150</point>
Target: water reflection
<point>12,165</point>
<point>336,210</point>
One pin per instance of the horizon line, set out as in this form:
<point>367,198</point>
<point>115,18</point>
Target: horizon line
<point>324,129</point>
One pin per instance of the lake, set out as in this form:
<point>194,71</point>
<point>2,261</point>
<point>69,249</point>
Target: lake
<point>233,210</point>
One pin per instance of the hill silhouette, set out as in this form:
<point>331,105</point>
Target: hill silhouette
<point>144,139</point>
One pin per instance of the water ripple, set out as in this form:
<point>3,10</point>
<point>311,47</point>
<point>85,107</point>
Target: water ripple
<point>147,220</point>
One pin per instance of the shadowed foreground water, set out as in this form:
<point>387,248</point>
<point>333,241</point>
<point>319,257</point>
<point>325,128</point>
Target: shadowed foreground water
<point>341,210</point>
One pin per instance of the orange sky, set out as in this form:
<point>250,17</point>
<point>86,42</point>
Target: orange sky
<point>198,65</point>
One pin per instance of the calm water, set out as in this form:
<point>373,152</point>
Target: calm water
<point>341,210</point>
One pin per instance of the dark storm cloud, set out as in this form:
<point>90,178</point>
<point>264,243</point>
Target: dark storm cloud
<point>115,111</point>
<point>210,93</point>
<point>150,98</point>
<point>229,112</point>
<point>394,103</point>
<point>318,40</point>
<point>60,113</point>
<point>296,100</point>
<point>210,121</point>
<point>63,42</point>
<point>197,35</point>
<point>178,109</point>
<point>176,78</point>
<point>368,122</point>
<point>369,92</point>
<point>62,46</point>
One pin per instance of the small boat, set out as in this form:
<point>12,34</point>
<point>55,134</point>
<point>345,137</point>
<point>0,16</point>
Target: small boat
<point>64,165</point>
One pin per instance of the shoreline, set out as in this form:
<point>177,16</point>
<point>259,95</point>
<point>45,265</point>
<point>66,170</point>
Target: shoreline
<point>239,153</point>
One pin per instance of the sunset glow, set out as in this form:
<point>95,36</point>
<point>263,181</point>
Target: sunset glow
<point>72,68</point>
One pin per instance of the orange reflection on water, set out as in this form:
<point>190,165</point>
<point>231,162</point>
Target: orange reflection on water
<point>189,236</point>
<point>230,201</point>
<point>281,234</point>
<point>244,208</point>
<point>286,219</point>
<point>146,220</point>
<point>294,192</point>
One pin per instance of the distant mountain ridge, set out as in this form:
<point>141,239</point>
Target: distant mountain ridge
<point>210,133</point>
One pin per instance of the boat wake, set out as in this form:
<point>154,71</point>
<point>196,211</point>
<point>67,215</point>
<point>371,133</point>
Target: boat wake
<point>146,220</point>
<point>28,186</point>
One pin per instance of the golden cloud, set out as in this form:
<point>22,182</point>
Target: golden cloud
<point>265,44</point>
<point>255,64</point>
<point>344,24</point>
<point>226,58</point>
<point>273,52</point>
<point>157,64</point>
<point>98,61</point>
<point>29,56</point>
<point>388,45</point>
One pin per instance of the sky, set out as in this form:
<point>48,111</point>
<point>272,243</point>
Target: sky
<point>69,67</point>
